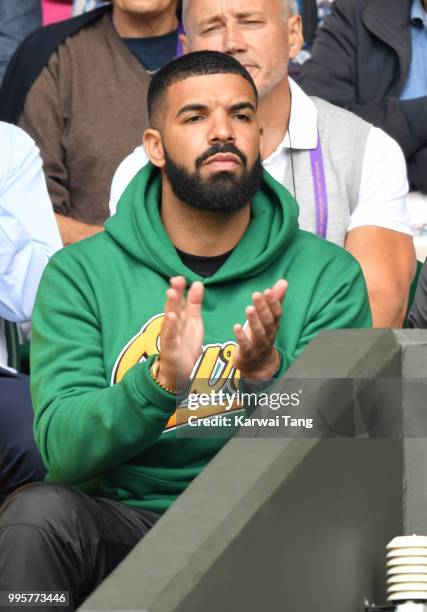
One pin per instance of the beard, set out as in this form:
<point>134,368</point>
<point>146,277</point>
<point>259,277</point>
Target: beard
<point>266,79</point>
<point>276,74</point>
<point>223,191</point>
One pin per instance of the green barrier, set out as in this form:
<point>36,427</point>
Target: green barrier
<point>294,525</point>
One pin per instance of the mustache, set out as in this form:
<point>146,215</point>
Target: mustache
<point>218,148</point>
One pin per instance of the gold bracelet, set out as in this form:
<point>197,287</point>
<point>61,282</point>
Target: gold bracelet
<point>154,370</point>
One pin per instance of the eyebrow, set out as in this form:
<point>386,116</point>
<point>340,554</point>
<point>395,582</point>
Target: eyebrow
<point>191,107</point>
<point>202,107</point>
<point>219,17</point>
<point>242,106</point>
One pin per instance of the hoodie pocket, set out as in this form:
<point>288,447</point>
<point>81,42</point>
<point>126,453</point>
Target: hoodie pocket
<point>138,484</point>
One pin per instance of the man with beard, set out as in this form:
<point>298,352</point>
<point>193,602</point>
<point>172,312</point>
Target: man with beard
<point>348,177</point>
<point>109,355</point>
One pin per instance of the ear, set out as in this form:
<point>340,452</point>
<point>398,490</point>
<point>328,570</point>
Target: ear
<point>261,140</point>
<point>153,145</point>
<point>185,42</point>
<point>295,37</point>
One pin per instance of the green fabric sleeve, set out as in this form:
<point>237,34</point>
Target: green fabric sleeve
<point>254,386</point>
<point>83,426</point>
<point>343,304</point>
<point>283,364</point>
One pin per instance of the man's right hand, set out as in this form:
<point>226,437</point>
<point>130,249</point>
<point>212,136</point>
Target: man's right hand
<point>182,333</point>
<point>72,230</point>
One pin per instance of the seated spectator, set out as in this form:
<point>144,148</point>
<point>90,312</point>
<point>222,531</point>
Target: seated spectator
<point>28,237</point>
<point>17,20</point>
<point>348,177</point>
<point>370,57</point>
<point>108,350</point>
<point>78,88</point>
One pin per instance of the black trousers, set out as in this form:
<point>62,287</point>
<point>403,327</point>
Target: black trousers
<point>20,460</point>
<point>53,538</point>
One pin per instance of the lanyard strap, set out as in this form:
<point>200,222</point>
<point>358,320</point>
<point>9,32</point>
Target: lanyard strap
<point>320,192</point>
<point>179,49</point>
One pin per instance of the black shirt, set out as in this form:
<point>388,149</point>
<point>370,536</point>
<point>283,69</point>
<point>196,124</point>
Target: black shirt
<point>153,52</point>
<point>203,266</point>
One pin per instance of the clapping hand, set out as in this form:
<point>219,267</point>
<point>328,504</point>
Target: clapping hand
<point>256,356</point>
<point>182,332</point>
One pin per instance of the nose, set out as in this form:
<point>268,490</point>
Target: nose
<point>233,40</point>
<point>221,129</point>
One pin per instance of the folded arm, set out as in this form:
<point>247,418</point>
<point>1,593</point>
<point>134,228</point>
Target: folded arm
<point>72,230</point>
<point>379,234</point>
<point>45,117</point>
<point>388,262</point>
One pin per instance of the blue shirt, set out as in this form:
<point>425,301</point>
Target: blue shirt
<point>416,83</point>
<point>28,231</point>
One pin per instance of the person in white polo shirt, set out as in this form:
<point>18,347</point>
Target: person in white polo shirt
<point>348,177</point>
<point>28,237</point>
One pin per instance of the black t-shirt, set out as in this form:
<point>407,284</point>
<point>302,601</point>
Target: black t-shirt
<point>153,52</point>
<point>203,266</point>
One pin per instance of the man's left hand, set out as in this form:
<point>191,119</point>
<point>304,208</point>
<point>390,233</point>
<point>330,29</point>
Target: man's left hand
<point>256,356</point>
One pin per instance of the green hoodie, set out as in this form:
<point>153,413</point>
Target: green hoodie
<point>99,416</point>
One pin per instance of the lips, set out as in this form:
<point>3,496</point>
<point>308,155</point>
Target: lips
<point>223,160</point>
<point>221,156</point>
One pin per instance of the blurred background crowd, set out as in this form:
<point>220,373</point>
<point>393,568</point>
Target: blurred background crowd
<point>18,19</point>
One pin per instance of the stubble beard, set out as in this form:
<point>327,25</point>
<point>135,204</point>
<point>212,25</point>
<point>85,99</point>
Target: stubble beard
<point>274,76</point>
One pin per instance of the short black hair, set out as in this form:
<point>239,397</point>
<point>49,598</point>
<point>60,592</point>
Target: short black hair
<point>189,65</point>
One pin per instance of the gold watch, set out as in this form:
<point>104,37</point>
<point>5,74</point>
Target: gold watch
<point>154,370</point>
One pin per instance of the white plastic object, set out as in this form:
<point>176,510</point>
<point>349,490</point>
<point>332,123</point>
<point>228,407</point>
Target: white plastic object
<point>407,572</point>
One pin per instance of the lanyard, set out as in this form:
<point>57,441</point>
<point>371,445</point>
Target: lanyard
<point>320,192</point>
<point>179,49</point>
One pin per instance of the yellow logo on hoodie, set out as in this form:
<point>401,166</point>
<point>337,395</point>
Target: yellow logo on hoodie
<point>213,371</point>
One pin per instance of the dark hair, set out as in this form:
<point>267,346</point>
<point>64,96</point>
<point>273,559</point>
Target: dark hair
<point>189,65</point>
